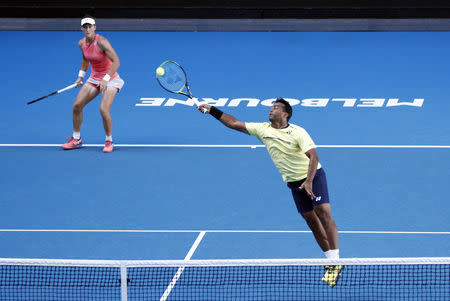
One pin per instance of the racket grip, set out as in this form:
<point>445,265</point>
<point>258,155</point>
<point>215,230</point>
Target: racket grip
<point>67,88</point>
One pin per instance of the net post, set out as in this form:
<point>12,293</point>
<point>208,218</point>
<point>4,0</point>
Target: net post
<point>123,282</point>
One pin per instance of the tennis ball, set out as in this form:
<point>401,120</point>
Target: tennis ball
<point>160,71</point>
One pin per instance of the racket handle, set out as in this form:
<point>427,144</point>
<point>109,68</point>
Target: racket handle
<point>67,88</point>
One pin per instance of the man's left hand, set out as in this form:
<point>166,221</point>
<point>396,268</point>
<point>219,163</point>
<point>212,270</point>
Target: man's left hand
<point>307,185</point>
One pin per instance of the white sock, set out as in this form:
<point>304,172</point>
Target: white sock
<point>108,138</point>
<point>332,254</point>
<point>76,135</point>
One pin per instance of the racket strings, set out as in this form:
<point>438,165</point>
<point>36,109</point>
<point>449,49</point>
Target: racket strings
<point>173,79</point>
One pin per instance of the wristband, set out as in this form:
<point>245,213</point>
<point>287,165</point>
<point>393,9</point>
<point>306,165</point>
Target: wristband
<point>107,77</point>
<point>82,74</point>
<point>215,112</point>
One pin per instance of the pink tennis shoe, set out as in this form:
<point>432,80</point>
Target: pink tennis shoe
<point>109,147</point>
<point>72,143</point>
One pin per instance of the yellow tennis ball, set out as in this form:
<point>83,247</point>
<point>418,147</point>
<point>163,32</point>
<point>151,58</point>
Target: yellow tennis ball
<point>160,71</point>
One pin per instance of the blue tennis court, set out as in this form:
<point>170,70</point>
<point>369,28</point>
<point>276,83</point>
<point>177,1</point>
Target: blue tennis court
<point>376,104</point>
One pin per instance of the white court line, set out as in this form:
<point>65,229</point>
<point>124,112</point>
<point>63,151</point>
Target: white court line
<point>216,231</point>
<point>227,145</point>
<point>384,146</point>
<point>181,269</point>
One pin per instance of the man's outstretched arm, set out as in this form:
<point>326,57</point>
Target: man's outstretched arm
<point>227,119</point>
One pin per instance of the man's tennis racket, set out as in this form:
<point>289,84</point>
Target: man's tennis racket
<point>172,77</point>
<point>53,93</point>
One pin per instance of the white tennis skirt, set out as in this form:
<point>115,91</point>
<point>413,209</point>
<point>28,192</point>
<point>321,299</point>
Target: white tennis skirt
<point>117,82</point>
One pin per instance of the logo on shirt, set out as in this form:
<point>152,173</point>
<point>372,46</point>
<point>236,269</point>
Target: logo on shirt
<point>318,198</point>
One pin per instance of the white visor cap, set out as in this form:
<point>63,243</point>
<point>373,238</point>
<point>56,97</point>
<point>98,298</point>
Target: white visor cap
<point>87,21</point>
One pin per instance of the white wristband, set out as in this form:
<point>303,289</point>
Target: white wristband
<point>107,77</point>
<point>82,74</point>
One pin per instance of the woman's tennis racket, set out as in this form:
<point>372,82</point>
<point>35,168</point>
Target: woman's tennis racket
<point>172,77</point>
<point>53,93</point>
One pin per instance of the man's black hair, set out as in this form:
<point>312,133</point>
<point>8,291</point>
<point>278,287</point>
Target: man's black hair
<point>287,106</point>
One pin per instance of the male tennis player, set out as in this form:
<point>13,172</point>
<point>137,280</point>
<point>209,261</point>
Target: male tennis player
<point>294,154</point>
<point>97,52</point>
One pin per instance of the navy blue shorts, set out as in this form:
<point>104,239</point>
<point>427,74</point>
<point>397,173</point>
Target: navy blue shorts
<point>302,200</point>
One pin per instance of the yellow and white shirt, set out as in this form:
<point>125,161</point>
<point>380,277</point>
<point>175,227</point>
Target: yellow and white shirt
<point>286,146</point>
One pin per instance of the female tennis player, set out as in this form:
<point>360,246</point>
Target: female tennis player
<point>97,52</point>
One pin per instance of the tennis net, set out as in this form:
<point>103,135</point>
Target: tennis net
<point>269,279</point>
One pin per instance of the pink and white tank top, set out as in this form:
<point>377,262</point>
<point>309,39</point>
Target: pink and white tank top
<point>99,61</point>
